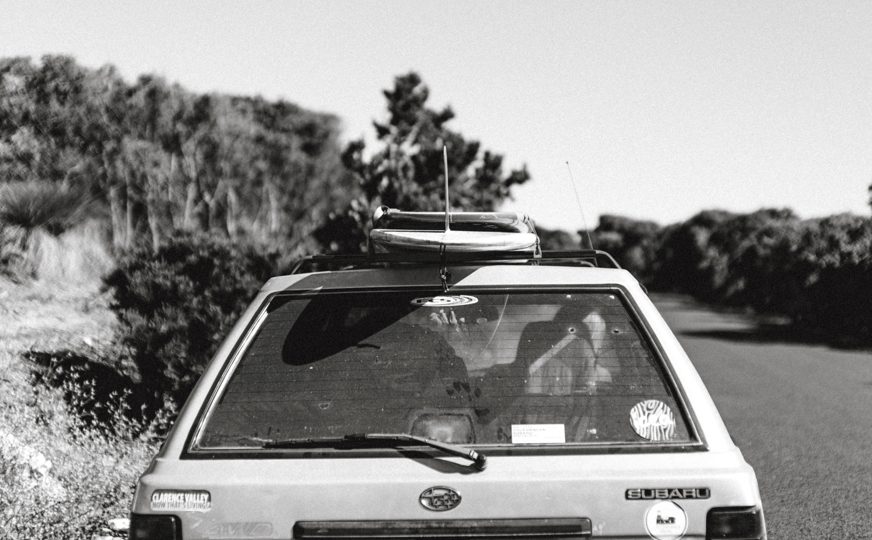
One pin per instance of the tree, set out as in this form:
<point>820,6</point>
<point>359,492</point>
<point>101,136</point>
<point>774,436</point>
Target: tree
<point>407,170</point>
<point>633,243</point>
<point>683,259</point>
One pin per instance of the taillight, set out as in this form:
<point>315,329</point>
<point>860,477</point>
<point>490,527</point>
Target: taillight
<point>739,523</point>
<point>146,527</point>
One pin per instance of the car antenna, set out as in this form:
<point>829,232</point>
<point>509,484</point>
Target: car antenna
<point>580,208</point>
<point>444,274</point>
<point>447,205</point>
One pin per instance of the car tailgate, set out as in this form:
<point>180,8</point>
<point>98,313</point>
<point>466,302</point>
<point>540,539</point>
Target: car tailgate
<point>267,498</point>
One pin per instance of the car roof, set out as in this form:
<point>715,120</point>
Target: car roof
<point>491,275</point>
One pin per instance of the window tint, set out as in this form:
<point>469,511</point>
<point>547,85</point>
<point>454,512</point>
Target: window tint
<point>479,368</point>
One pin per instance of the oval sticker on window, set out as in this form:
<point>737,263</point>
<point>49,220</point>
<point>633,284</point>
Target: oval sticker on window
<point>653,420</point>
<point>445,301</point>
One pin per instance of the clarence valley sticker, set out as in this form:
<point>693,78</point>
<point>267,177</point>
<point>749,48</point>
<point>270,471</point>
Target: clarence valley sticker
<point>171,500</point>
<point>653,420</point>
<point>666,521</point>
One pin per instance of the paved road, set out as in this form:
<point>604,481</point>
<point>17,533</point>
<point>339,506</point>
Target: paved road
<point>801,413</point>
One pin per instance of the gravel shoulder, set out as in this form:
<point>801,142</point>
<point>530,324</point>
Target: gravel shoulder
<point>48,316</point>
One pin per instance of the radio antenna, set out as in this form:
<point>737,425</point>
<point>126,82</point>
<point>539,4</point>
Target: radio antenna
<point>447,205</point>
<point>580,208</point>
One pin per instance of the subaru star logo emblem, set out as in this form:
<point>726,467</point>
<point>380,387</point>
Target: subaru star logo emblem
<point>439,499</point>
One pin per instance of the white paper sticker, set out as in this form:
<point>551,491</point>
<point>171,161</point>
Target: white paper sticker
<point>666,521</point>
<point>538,434</point>
<point>170,500</point>
<point>653,420</point>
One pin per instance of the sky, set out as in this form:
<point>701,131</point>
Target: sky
<point>660,109</point>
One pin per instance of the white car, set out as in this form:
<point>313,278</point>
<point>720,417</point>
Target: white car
<point>452,383</point>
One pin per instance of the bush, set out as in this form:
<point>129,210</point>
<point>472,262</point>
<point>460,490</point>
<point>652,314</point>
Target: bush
<point>751,255</point>
<point>558,240</point>
<point>834,267</point>
<point>60,477</point>
<point>176,305</point>
<point>683,262</point>
<point>816,272</point>
<point>92,390</point>
<point>33,204</point>
<point>631,242</point>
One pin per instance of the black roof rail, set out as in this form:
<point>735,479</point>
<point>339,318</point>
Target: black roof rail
<point>583,257</point>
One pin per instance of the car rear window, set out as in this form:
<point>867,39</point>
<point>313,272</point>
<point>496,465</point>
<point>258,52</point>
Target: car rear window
<point>483,368</point>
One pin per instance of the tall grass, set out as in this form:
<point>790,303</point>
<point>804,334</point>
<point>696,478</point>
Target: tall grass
<point>78,256</point>
<point>46,234</point>
<point>13,252</point>
<point>43,205</point>
<point>61,477</point>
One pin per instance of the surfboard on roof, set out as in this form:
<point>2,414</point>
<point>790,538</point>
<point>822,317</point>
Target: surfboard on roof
<point>397,230</point>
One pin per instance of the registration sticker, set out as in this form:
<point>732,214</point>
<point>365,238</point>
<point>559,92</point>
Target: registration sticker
<point>171,500</point>
<point>653,420</point>
<point>538,434</point>
<point>666,521</point>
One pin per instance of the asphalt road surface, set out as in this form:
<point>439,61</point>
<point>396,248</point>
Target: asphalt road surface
<point>800,412</point>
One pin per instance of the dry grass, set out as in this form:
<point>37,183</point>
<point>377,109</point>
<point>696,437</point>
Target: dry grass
<point>44,205</point>
<point>60,478</point>
<point>63,479</point>
<point>77,257</point>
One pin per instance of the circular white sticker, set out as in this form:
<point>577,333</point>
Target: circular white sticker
<point>445,301</point>
<point>666,521</point>
<point>653,420</point>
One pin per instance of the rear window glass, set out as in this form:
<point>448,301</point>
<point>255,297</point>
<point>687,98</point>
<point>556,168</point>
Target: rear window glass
<point>523,368</point>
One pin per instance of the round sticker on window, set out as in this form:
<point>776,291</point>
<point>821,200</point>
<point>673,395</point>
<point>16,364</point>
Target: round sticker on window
<point>666,521</point>
<point>445,301</point>
<point>653,420</point>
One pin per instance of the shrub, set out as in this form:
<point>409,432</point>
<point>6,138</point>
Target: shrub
<point>835,268</point>
<point>63,478</point>
<point>95,392</point>
<point>683,261</point>
<point>33,204</point>
<point>751,254</point>
<point>559,240</point>
<point>817,272</point>
<point>176,305</point>
<point>633,243</point>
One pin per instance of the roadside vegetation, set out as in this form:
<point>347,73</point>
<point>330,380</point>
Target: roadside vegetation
<point>138,219</point>
<point>816,274</point>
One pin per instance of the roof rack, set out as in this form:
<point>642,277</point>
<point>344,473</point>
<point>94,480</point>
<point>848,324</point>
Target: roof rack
<point>584,257</point>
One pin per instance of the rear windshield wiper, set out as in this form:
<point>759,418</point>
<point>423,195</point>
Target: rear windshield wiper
<point>478,459</point>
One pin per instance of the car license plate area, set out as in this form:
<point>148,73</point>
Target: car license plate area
<point>556,528</point>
